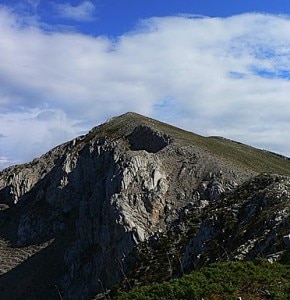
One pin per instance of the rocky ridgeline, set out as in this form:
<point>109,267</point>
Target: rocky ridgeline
<point>128,202</point>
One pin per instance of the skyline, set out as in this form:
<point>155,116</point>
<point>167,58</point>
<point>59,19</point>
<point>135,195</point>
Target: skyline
<point>66,67</point>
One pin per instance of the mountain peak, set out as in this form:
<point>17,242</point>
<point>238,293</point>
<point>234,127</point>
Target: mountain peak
<point>120,202</point>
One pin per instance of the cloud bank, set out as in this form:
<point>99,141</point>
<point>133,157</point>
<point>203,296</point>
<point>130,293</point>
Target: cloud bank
<point>213,76</point>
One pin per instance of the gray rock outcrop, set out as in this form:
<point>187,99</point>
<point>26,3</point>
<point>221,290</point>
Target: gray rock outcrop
<point>101,201</point>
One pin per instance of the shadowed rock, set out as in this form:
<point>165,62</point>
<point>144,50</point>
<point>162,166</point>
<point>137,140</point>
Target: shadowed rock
<point>145,138</point>
<point>117,205</point>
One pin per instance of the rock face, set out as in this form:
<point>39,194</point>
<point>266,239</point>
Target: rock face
<point>132,197</point>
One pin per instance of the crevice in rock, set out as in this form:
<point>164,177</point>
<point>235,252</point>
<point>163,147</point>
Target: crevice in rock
<point>145,138</point>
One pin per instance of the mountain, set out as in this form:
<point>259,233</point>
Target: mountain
<point>133,202</point>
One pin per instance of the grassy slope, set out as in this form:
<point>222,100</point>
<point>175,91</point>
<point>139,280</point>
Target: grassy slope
<point>241,155</point>
<point>248,157</point>
<point>226,280</point>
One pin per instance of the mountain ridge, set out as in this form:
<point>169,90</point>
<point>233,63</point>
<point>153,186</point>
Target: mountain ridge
<point>111,207</point>
<point>122,125</point>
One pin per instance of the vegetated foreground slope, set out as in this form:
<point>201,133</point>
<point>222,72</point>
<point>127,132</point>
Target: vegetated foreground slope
<point>137,201</point>
<point>223,280</point>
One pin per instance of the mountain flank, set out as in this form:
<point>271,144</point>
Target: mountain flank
<point>137,201</point>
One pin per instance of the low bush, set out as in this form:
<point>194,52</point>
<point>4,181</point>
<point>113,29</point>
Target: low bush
<point>223,280</point>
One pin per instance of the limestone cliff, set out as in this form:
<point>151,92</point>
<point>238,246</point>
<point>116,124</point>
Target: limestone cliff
<point>132,196</point>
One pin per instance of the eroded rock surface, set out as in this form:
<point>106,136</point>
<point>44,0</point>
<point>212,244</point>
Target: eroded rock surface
<point>127,200</point>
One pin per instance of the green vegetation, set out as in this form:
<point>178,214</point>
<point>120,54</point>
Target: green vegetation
<point>238,154</point>
<point>250,157</point>
<point>223,280</point>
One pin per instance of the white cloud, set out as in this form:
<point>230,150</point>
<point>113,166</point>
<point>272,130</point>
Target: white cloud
<point>29,132</point>
<point>85,11</point>
<point>208,75</point>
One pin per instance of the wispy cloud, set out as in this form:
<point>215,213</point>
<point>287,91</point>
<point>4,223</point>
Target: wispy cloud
<point>34,4</point>
<point>5,162</point>
<point>29,131</point>
<point>83,12</point>
<point>207,75</point>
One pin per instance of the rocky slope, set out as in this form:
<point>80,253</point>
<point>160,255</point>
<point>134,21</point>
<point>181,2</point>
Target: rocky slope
<point>136,201</point>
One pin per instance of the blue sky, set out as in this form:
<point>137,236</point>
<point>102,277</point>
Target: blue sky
<point>115,17</point>
<point>211,67</point>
